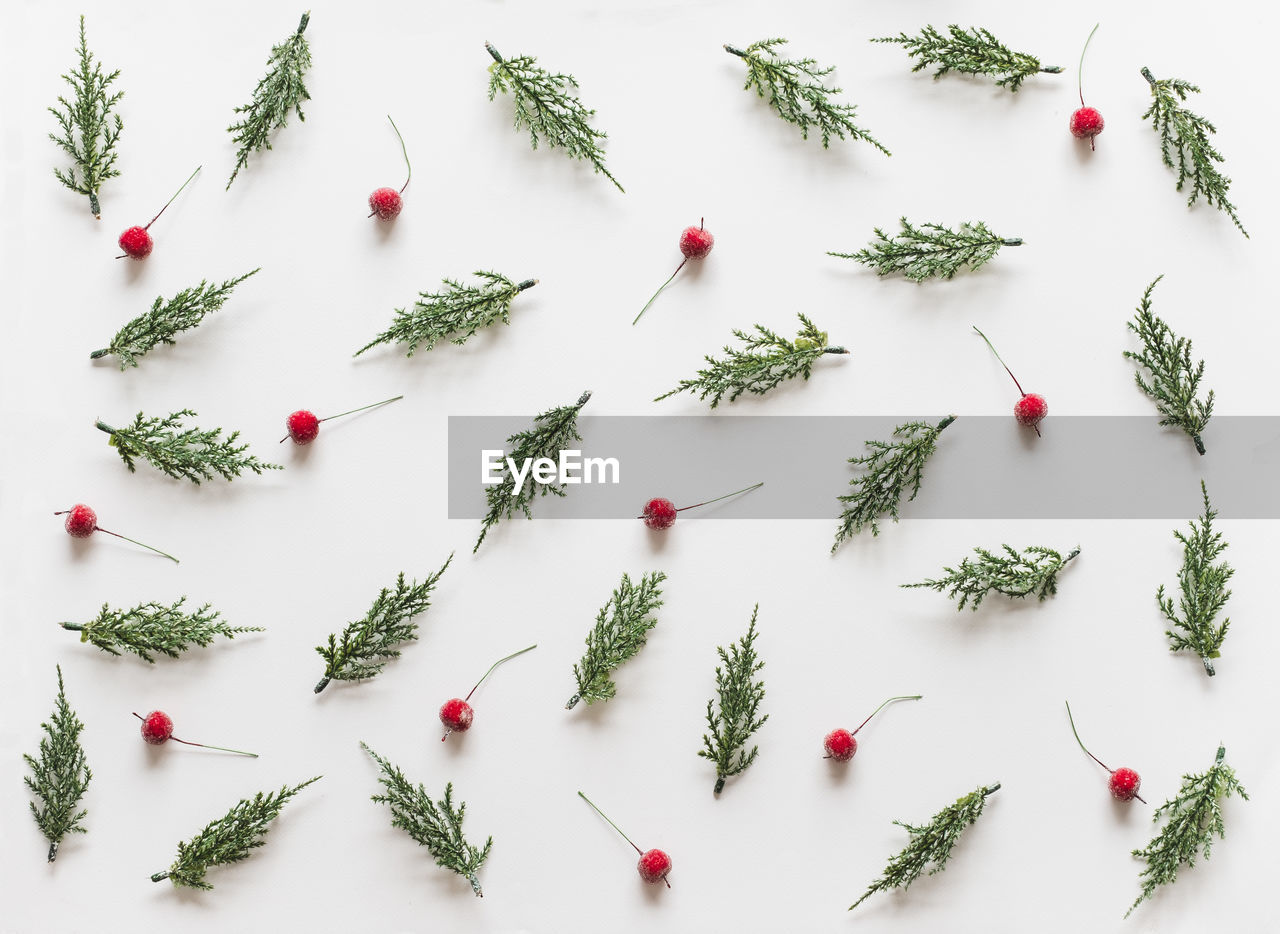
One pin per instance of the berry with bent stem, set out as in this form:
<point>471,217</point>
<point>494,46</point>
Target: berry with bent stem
<point>1123,783</point>
<point>660,513</point>
<point>387,202</point>
<point>157,729</point>
<point>456,714</point>
<point>303,426</point>
<point>83,522</point>
<point>1031,409</point>
<point>654,865</point>
<point>841,745</point>
<point>136,241</point>
<point>695,243</point>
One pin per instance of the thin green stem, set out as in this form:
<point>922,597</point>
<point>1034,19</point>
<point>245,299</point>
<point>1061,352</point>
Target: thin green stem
<point>495,665</point>
<point>404,149</point>
<point>174,198</point>
<point>1080,67</point>
<point>1072,721</point>
<point>885,704</point>
<point>1002,363</point>
<point>140,544</point>
<point>611,823</point>
<point>659,292</point>
<point>748,489</point>
<point>362,408</point>
<point>238,752</point>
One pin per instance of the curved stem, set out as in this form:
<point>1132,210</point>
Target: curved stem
<point>1002,363</point>
<point>708,502</point>
<point>1080,67</point>
<point>404,149</point>
<point>371,405</point>
<point>882,706</point>
<point>140,544</point>
<point>611,823</point>
<point>1077,736</point>
<point>659,292</point>
<point>238,752</point>
<point>174,198</point>
<point>506,658</point>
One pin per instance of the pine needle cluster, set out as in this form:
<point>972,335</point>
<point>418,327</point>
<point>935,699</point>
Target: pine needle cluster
<point>155,628</point>
<point>733,715</point>
<point>765,361</point>
<point>972,51</point>
<point>437,825</point>
<point>60,776</point>
<point>796,89</point>
<point>621,630</point>
<point>367,644</point>
<point>930,250</point>
<point>1203,583</point>
<point>1030,572</point>
<point>456,313</point>
<point>279,91</point>
<point>166,320</point>
<point>183,453</point>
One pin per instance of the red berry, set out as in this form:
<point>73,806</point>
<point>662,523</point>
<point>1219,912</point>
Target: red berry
<point>136,242</point>
<point>303,426</point>
<point>659,514</point>
<point>840,745</point>
<point>654,865</point>
<point>81,521</point>
<point>696,242</point>
<point>386,203</point>
<point>456,715</point>
<point>1124,784</point>
<point>1030,410</point>
<point>157,727</point>
<point>1086,123</point>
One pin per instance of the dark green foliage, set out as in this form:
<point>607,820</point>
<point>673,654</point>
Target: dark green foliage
<point>228,839</point>
<point>552,432</point>
<point>621,629</point>
<point>1185,145</point>
<point>167,319</point>
<point>930,250</point>
<point>971,51</point>
<point>90,128</point>
<point>734,714</point>
<point>931,844</point>
<point>889,471</point>
<point>546,105</point>
<point>60,776</point>
<point>796,90</point>
<point>1193,817</point>
<point>367,644</point>
<point>1204,590</point>
<point>1174,380</point>
<point>154,627</point>
<point>1033,571</point>
<point>280,91</point>
<point>456,313</point>
<point>183,453</point>
<point>437,825</point>
<point>765,362</point>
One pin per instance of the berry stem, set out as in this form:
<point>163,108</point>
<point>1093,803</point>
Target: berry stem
<point>748,489</point>
<point>659,292</point>
<point>174,198</point>
<point>882,706</point>
<point>98,528</point>
<point>238,752</point>
<point>506,658</point>
<point>404,149</point>
<point>371,405</point>
<point>1072,721</point>
<point>1002,363</point>
<point>611,823</point>
<point>1080,67</point>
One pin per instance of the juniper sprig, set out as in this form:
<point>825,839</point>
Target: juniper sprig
<point>367,644</point>
<point>552,432</point>
<point>60,777</point>
<point>279,91</point>
<point>155,628</point>
<point>621,630</point>
<point>1204,590</point>
<point>546,104</point>
<point>1184,137</point>
<point>889,471</point>
<point>972,51</point>
<point>733,715</point>
<point>1032,571</point>
<point>931,843</point>
<point>456,313</point>
<point>437,825</point>
<point>183,453</point>
<point>1194,816</point>
<point>166,320</point>
<point>796,89</point>
<point>90,127</point>
<point>229,839</point>
<point>929,250</point>
<point>1174,381</point>
<point>766,361</point>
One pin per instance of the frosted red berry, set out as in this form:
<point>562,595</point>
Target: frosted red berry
<point>136,243</point>
<point>386,203</point>
<point>456,715</point>
<point>654,865</point>
<point>157,727</point>
<point>696,242</point>
<point>659,514</point>
<point>1086,123</point>
<point>303,426</point>
<point>840,745</point>
<point>81,521</point>
<point>1030,410</point>
<point>1124,784</point>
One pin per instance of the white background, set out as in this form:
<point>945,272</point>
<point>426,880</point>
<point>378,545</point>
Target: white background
<point>795,840</point>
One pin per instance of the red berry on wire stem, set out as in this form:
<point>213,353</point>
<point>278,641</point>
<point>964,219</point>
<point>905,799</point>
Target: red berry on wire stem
<point>1123,783</point>
<point>157,729</point>
<point>82,522</point>
<point>1086,122</point>
<point>456,714</point>
<point>654,865</point>
<point>1030,410</point>
<point>303,426</point>
<point>841,745</point>
<point>660,513</point>
<point>136,241</point>
<point>387,202</point>
<point>695,243</point>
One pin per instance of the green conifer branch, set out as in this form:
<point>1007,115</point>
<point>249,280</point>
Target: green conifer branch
<point>929,250</point>
<point>367,644</point>
<point>765,361</point>
<point>437,825</point>
<point>229,839</point>
<point>60,776</point>
<point>931,844</point>
<point>1204,590</point>
<point>1193,817</point>
<point>797,90</point>
<point>183,453</point>
<point>1032,571</point>
<point>155,628</point>
<point>166,320</point>
<point>456,313</point>
<point>90,127</point>
<point>733,715</point>
<point>972,51</point>
<point>621,630</point>
<point>279,91</point>
<point>888,472</point>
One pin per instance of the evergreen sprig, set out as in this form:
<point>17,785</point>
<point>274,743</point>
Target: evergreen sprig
<point>621,629</point>
<point>889,471</point>
<point>90,128</point>
<point>931,843</point>
<point>437,825</point>
<point>229,839</point>
<point>155,628</point>
<point>367,644</point>
<point>183,453</point>
<point>796,89</point>
<point>548,107</point>
<point>456,313</point>
<point>733,715</point>
<point>1193,817</point>
<point>1032,571</point>
<point>552,432</point>
<point>972,51</point>
<point>1203,582</point>
<point>929,250</point>
<point>165,320</point>
<point>60,777</point>
<point>764,362</point>
<point>1174,381</point>
<point>279,91</point>
<point>1184,137</point>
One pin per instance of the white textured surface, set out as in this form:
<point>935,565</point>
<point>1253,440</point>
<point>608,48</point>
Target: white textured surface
<point>795,840</point>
